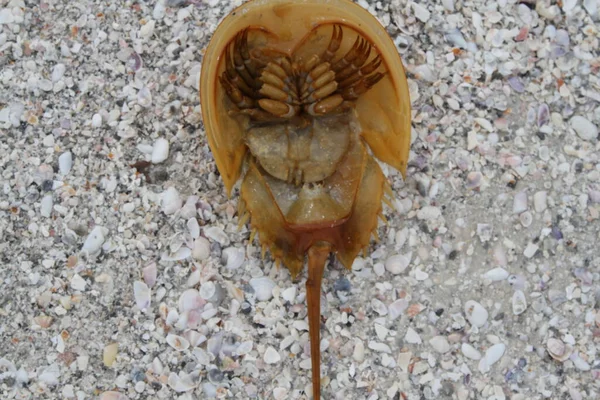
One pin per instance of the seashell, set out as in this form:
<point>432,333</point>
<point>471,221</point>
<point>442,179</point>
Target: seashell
<point>112,395</point>
<point>217,234</point>
<point>172,317</point>
<point>43,321</point>
<point>263,288</point>
<point>476,314</point>
<point>201,249</point>
<point>526,219</point>
<point>558,350</point>
<point>171,201</point>
<point>180,254</point>
<point>496,274</point>
<point>212,292</point>
<point>190,300</point>
<point>519,302</point>
<point>141,292</point>
<point>149,274</point>
<point>470,351</point>
<point>195,338</point>
<point>177,342</point>
<point>233,257</point>
<point>193,228</point>
<point>94,241</point>
<point>184,382</point>
<point>398,263</point>
<point>109,355</point>
<point>543,115</point>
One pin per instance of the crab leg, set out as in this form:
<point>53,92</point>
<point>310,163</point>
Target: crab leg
<point>364,71</point>
<point>334,43</point>
<point>317,257</point>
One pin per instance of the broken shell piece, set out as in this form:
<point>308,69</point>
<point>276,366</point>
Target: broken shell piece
<point>177,342</point>
<point>141,292</point>
<point>233,257</point>
<point>110,354</point>
<point>184,382</point>
<point>558,350</point>
<point>112,395</point>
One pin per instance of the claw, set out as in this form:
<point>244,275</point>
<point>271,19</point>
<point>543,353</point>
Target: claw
<point>334,43</point>
<point>356,64</point>
<point>350,55</point>
<point>252,236</point>
<point>235,95</point>
<point>354,91</point>
<point>243,220</point>
<point>364,71</point>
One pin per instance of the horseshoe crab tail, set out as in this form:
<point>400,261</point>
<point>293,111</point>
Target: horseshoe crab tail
<point>317,257</point>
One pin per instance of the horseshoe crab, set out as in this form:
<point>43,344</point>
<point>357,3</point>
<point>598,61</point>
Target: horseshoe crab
<point>299,99</point>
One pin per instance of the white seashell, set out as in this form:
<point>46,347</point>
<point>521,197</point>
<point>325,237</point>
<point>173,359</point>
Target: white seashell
<point>94,241</point>
<point>539,201</point>
<point>217,234</point>
<point>412,336</point>
<point>280,393</point>
<point>194,337</point>
<point>171,201</point>
<point>520,203</point>
<point>78,283</point>
<point>583,128</point>
<point>244,348</point>
<point>494,353</point>
<point>149,273</point>
<point>46,206</point>
<point>397,308</point>
<point>233,257</point>
<point>421,12</point>
<point>440,344</point>
<point>263,288</point>
<point>519,302</point>
<point>470,351</point>
<point>141,292</point>
<point>183,382</point>
<point>289,294</point>
<point>201,356</point>
<point>172,317</point>
<point>526,219</point>
<point>398,263</point>
<point>65,162</point>
<point>530,250</point>
<point>208,290</point>
<point>112,395</point>
<point>271,356</point>
<point>189,208</point>
<point>190,300</point>
<point>591,6</point>
<point>476,314</point>
<point>180,254</point>
<point>160,151</point>
<point>177,342</point>
<point>496,274</point>
<point>379,347</point>
<point>193,228</point>
<point>201,249</point>
<point>558,350</point>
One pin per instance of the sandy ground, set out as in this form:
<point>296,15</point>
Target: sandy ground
<point>123,274</point>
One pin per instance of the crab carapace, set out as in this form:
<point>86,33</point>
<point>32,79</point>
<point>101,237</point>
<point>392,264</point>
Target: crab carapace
<point>299,99</point>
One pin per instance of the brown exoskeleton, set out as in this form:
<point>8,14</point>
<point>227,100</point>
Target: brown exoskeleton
<point>294,95</point>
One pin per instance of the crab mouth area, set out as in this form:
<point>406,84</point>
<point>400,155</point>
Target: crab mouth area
<point>270,86</point>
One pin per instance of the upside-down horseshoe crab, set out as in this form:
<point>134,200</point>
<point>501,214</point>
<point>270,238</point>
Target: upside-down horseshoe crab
<point>298,100</point>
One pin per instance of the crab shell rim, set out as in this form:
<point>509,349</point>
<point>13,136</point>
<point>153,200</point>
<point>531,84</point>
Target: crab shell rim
<point>343,12</point>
